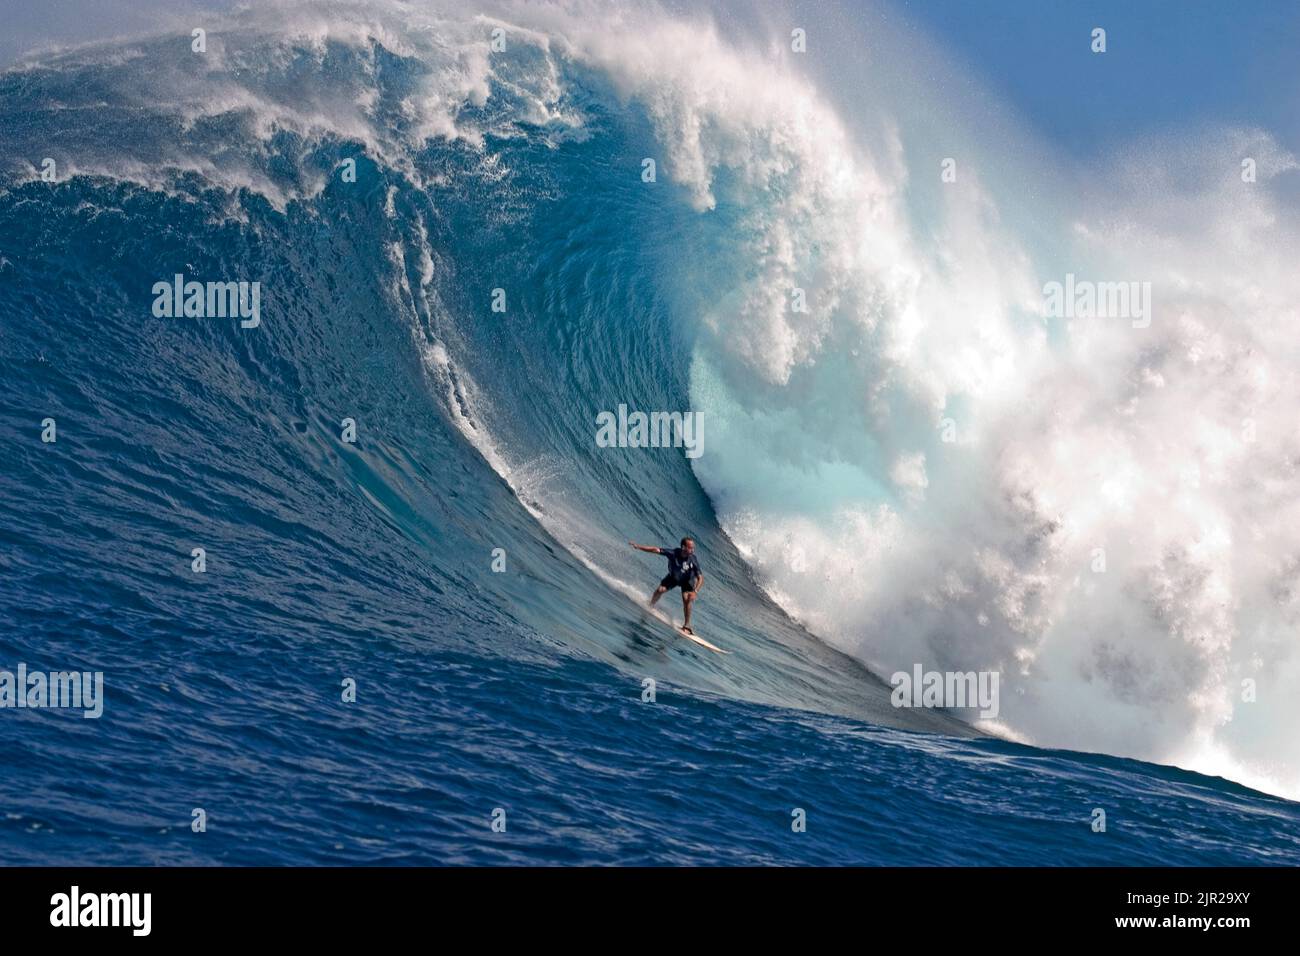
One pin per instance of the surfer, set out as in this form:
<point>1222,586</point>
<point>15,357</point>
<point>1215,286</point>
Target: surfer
<point>683,572</point>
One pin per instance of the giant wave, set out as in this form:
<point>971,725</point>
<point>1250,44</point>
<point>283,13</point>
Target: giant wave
<point>828,499</point>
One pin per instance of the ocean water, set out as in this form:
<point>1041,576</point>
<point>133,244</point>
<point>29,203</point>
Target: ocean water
<point>515,694</point>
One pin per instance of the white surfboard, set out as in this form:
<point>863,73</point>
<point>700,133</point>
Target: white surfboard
<point>698,640</point>
<point>667,621</point>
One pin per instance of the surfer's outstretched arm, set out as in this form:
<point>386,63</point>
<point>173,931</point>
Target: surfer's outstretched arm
<point>647,548</point>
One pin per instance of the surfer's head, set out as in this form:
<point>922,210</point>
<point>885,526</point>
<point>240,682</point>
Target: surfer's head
<point>688,545</point>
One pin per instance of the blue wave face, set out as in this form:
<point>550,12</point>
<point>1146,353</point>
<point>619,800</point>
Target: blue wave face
<point>462,263</point>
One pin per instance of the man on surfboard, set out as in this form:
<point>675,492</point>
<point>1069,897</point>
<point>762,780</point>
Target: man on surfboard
<point>683,572</point>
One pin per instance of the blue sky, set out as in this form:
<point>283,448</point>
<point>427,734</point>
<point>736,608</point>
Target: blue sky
<point>1167,63</point>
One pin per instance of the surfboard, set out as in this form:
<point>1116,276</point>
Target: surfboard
<point>698,640</point>
<point>667,621</point>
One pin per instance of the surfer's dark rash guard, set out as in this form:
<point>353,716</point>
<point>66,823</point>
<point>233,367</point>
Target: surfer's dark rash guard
<point>681,566</point>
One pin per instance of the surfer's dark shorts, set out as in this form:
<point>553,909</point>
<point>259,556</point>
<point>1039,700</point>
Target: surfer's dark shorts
<point>670,582</point>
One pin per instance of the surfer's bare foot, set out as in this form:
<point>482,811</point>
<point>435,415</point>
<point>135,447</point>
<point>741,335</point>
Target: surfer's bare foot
<point>687,630</point>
